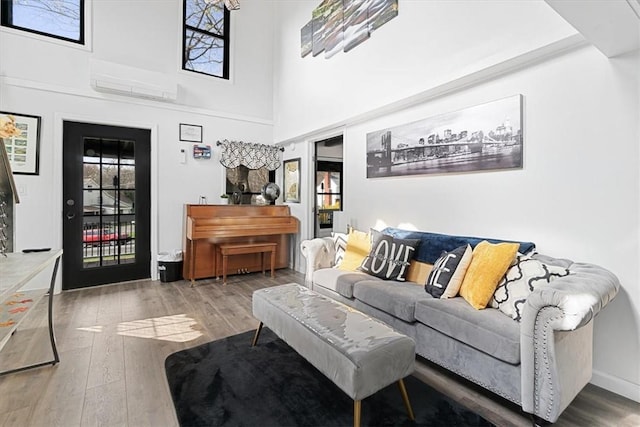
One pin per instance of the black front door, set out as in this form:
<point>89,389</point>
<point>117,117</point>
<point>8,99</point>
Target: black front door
<point>106,204</point>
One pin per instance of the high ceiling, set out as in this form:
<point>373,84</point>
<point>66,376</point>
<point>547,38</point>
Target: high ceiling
<point>612,26</point>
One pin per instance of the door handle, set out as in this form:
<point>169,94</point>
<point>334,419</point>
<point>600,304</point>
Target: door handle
<point>71,215</point>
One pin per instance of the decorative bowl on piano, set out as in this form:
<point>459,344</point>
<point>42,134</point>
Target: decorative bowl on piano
<point>270,191</point>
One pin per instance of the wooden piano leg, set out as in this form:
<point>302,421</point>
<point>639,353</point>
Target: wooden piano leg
<point>225,262</point>
<point>192,267</point>
<point>273,261</point>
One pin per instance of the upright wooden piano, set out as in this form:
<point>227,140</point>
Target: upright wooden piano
<point>208,226</point>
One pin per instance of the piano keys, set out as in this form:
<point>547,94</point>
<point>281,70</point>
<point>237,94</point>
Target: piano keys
<point>208,226</point>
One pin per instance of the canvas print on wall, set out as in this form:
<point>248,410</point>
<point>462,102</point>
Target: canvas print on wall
<point>381,12</point>
<point>483,137</point>
<point>291,180</point>
<point>306,39</point>
<point>319,21</point>
<point>344,24</point>
<point>334,34</point>
<point>356,23</point>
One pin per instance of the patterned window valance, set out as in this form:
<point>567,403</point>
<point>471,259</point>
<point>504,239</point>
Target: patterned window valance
<point>253,156</point>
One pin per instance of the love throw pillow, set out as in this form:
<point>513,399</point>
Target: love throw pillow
<point>389,258</point>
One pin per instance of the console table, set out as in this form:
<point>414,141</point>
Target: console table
<point>16,270</point>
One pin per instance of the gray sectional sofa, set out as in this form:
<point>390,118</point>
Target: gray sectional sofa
<point>541,363</point>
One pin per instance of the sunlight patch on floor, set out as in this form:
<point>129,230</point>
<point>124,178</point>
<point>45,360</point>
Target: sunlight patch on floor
<point>176,328</point>
<point>96,329</point>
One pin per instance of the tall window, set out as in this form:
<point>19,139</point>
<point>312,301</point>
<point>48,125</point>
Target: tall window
<point>61,19</point>
<point>206,38</point>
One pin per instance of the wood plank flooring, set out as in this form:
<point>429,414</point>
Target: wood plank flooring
<point>113,341</point>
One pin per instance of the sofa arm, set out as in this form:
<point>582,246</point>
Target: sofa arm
<point>580,296</point>
<point>556,337</point>
<point>320,253</point>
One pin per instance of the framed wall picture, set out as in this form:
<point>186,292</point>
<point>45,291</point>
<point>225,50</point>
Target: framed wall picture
<point>190,133</point>
<point>23,150</point>
<point>292,180</point>
<point>483,137</point>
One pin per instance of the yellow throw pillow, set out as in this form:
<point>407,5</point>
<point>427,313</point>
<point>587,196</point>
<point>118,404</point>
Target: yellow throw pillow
<point>488,265</point>
<point>418,272</point>
<point>358,247</point>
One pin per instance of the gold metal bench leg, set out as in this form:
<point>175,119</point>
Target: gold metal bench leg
<point>357,409</point>
<point>255,337</point>
<point>405,398</point>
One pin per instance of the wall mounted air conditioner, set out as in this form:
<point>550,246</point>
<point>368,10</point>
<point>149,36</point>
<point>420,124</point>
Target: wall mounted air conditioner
<point>110,77</point>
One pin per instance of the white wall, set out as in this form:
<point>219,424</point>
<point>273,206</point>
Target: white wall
<point>427,44</point>
<point>578,195</point>
<point>51,80</point>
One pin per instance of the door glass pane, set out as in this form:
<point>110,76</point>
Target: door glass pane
<point>127,177</point>
<point>334,182</point>
<point>108,235</point>
<point>91,203</point>
<point>92,151</point>
<point>110,177</point>
<point>328,190</point>
<point>127,152</point>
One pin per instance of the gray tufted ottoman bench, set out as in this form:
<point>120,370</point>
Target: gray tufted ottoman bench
<point>359,354</point>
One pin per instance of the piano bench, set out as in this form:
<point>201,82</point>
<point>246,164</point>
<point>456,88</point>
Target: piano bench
<point>247,248</point>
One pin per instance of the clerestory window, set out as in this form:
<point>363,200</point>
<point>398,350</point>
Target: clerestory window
<point>206,38</point>
<point>60,19</point>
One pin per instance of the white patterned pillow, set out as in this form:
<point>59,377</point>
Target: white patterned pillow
<point>340,245</point>
<point>524,275</point>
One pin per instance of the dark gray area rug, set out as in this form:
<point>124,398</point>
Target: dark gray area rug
<point>228,382</point>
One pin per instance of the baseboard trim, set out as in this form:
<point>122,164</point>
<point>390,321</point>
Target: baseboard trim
<point>616,385</point>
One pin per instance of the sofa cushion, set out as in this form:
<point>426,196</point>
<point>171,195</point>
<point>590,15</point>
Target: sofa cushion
<point>396,298</point>
<point>389,257</point>
<point>488,264</point>
<point>432,244</point>
<point>339,281</point>
<point>448,272</point>
<point>490,330</point>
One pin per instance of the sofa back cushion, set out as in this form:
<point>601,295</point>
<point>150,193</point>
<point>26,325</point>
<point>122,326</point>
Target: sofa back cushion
<point>418,272</point>
<point>433,244</point>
